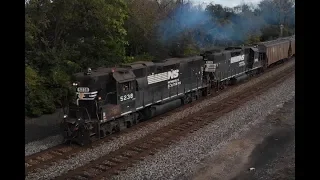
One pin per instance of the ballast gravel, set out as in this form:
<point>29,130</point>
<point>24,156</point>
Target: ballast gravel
<point>82,158</point>
<point>37,146</point>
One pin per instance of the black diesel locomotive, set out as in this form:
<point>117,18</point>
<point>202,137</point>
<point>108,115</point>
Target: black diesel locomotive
<point>111,99</point>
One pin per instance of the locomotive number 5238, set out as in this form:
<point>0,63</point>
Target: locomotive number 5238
<point>126,97</point>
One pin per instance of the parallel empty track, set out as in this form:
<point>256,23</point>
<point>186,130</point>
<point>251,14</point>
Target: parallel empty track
<point>115,162</point>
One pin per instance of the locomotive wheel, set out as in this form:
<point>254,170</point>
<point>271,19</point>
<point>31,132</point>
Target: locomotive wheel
<point>233,81</point>
<point>185,100</point>
<point>222,86</point>
<point>109,130</point>
<point>205,92</point>
<point>115,129</point>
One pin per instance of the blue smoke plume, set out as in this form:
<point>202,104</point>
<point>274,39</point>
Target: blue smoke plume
<point>204,27</point>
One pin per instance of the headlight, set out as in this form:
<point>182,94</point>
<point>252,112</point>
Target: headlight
<point>74,84</point>
<point>65,116</point>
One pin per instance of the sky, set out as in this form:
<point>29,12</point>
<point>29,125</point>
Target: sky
<point>228,3</point>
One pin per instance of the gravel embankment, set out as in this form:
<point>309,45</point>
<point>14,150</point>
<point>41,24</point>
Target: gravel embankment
<point>274,157</point>
<point>92,154</point>
<point>42,127</point>
<point>36,146</point>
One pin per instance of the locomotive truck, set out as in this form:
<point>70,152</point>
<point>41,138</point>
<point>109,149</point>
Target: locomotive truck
<point>111,99</point>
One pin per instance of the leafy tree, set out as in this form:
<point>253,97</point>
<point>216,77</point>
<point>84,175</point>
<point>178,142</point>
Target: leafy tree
<point>63,37</point>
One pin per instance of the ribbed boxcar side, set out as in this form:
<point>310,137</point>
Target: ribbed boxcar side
<point>275,50</point>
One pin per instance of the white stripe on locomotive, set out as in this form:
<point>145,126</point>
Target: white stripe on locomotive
<point>155,78</point>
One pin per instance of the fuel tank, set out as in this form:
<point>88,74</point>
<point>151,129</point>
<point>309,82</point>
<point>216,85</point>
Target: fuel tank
<point>162,108</point>
<point>158,109</point>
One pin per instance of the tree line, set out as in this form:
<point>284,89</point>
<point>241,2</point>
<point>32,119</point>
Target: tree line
<point>66,36</point>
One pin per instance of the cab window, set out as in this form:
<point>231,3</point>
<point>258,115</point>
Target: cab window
<point>126,86</point>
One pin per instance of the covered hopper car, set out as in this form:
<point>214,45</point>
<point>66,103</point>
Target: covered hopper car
<point>276,50</point>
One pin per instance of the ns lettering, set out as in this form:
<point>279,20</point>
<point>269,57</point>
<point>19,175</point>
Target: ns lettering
<point>173,74</point>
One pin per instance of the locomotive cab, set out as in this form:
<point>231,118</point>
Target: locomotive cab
<point>118,102</point>
<point>126,87</point>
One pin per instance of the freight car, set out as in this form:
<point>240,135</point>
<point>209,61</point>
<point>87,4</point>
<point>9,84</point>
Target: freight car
<point>277,50</point>
<point>111,99</point>
<point>292,49</point>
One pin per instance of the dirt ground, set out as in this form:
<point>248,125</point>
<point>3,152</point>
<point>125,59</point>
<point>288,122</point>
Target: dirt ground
<point>42,127</point>
<point>268,150</point>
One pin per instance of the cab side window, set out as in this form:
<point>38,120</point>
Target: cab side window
<point>126,86</point>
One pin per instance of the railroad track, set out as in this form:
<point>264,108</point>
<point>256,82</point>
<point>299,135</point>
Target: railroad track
<point>46,158</point>
<point>119,160</point>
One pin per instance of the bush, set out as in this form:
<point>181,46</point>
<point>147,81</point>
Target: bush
<point>38,99</point>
